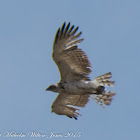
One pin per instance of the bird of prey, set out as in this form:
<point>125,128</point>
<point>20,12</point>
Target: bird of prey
<point>75,87</point>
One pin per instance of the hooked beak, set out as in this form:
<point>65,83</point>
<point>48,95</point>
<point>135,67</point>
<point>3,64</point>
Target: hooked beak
<point>47,89</point>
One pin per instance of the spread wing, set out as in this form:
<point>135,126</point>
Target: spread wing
<point>65,104</point>
<point>72,62</point>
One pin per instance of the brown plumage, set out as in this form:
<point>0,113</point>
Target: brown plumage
<point>60,105</point>
<point>72,62</point>
<point>75,87</point>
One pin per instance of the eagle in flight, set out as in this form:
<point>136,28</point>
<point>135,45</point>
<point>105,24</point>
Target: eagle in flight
<point>75,87</point>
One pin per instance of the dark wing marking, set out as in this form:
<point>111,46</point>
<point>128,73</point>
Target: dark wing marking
<point>72,62</point>
<point>65,104</point>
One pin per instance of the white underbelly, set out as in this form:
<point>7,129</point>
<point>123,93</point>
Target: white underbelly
<point>80,87</point>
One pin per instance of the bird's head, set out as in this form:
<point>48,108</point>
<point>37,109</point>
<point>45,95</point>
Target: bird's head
<point>52,88</point>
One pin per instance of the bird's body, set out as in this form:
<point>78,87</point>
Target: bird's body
<point>75,87</point>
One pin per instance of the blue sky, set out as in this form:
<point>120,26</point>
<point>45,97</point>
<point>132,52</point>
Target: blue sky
<point>111,32</point>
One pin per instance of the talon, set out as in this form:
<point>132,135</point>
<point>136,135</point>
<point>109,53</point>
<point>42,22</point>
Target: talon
<point>100,89</point>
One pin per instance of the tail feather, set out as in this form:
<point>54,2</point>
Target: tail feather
<point>106,96</point>
<point>104,80</point>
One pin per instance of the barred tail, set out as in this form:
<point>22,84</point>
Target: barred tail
<point>104,80</point>
<point>106,96</point>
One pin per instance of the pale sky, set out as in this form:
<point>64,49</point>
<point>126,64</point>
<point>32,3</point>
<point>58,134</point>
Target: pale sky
<point>111,32</point>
